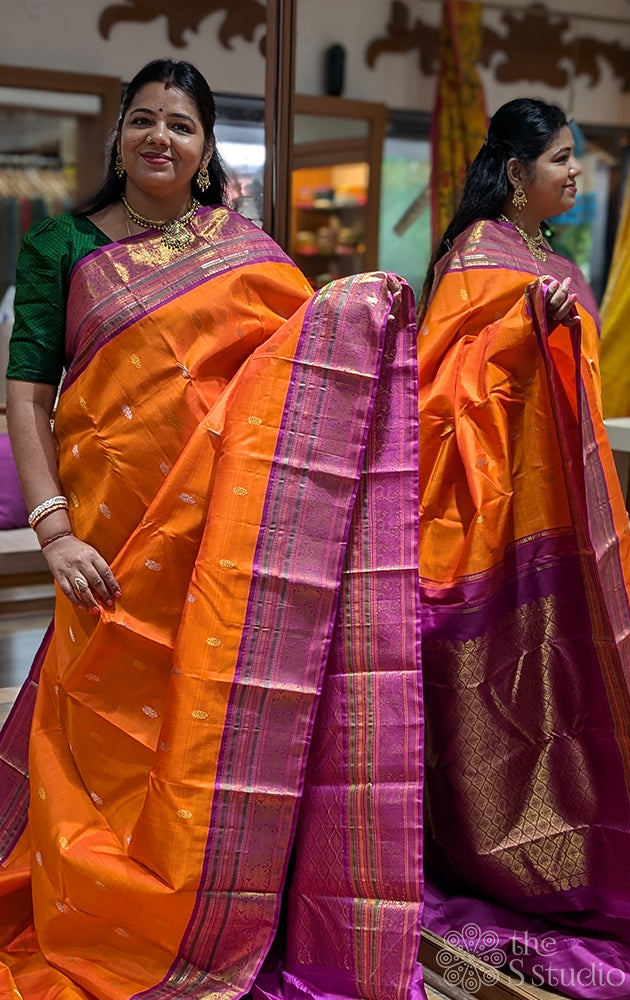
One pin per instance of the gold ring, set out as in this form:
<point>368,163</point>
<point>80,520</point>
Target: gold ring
<point>80,583</point>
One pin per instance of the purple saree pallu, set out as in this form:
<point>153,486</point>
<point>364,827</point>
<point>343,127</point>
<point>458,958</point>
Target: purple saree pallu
<point>332,628</point>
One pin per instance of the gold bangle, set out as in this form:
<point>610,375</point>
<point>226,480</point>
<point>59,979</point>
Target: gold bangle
<point>47,507</point>
<point>45,513</point>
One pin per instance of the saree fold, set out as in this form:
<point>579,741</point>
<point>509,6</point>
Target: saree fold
<point>524,556</point>
<point>225,783</point>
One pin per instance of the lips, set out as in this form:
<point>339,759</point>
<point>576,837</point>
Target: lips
<point>156,158</point>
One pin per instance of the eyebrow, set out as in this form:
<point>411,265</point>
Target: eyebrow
<point>171,114</point>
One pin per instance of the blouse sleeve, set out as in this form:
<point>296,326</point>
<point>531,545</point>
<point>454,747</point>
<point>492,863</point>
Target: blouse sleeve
<point>36,350</point>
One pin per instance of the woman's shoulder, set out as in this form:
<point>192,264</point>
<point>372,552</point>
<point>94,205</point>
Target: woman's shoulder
<point>59,241</point>
<point>480,231</point>
<point>471,247</point>
<point>58,231</point>
<point>53,225</point>
<point>214,214</point>
<point>230,224</point>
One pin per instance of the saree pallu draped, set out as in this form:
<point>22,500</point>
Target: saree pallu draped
<point>244,454</point>
<point>524,558</point>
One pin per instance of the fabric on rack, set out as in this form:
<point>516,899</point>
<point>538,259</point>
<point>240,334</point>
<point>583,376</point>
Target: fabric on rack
<point>10,236</point>
<point>615,359</point>
<point>459,120</point>
<point>28,195</point>
<point>524,558</point>
<point>245,456</point>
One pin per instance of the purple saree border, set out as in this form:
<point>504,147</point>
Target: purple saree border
<point>372,675</point>
<point>14,746</point>
<point>602,531</point>
<point>592,519</point>
<point>530,570</point>
<point>153,290</point>
<point>533,944</point>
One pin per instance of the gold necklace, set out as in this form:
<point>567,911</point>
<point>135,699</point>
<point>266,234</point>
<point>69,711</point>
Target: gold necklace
<point>175,234</point>
<point>535,243</point>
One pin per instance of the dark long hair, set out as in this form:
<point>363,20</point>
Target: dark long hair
<point>190,81</point>
<point>523,129</point>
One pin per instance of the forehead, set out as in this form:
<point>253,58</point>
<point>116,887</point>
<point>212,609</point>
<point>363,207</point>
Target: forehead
<point>164,98</point>
<point>562,140</point>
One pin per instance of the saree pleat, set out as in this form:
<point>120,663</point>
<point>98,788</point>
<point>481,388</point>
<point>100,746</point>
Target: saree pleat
<point>524,582</point>
<point>213,439</point>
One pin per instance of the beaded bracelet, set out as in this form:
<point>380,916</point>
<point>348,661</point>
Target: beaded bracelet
<point>53,538</point>
<point>47,507</point>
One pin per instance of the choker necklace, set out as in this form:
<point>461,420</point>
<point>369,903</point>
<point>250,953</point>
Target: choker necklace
<point>534,243</point>
<point>175,234</point>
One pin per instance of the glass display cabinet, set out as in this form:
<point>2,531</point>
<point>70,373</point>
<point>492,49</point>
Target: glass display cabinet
<point>335,186</point>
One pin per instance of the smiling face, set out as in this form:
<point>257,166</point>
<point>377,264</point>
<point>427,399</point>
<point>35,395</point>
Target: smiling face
<point>162,144</point>
<point>550,183</point>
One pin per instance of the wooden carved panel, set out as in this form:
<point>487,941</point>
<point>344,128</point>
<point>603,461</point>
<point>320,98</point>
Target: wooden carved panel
<point>242,17</point>
<point>534,47</point>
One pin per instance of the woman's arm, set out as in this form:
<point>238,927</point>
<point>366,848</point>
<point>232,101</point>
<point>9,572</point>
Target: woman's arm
<point>71,561</point>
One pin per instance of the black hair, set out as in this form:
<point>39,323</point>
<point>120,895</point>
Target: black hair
<point>190,81</point>
<point>523,129</point>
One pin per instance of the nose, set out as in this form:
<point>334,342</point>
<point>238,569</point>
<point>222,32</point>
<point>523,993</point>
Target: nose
<point>575,168</point>
<point>159,133</point>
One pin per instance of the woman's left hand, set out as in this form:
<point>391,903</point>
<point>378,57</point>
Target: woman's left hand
<point>560,302</point>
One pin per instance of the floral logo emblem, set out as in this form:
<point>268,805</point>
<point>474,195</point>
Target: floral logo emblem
<point>482,945</point>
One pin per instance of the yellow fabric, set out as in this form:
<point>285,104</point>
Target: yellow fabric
<point>459,119</point>
<point>615,312</point>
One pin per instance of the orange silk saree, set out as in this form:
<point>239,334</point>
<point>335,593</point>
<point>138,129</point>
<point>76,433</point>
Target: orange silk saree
<point>244,454</point>
<point>524,565</point>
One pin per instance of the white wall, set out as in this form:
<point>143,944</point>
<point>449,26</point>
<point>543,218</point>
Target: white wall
<point>63,34</point>
<point>396,78</point>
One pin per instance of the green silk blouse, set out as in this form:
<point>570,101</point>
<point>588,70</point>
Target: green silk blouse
<point>47,256</point>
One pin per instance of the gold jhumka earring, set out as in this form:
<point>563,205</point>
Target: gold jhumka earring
<point>203,177</point>
<point>119,166</point>
<point>520,198</point>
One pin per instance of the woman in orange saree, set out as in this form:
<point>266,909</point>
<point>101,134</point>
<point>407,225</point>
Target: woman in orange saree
<point>171,734</point>
<point>524,563</point>
<point>203,785</point>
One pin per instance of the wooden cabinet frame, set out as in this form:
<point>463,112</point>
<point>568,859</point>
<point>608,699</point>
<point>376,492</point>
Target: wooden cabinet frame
<point>368,149</point>
<point>94,128</point>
